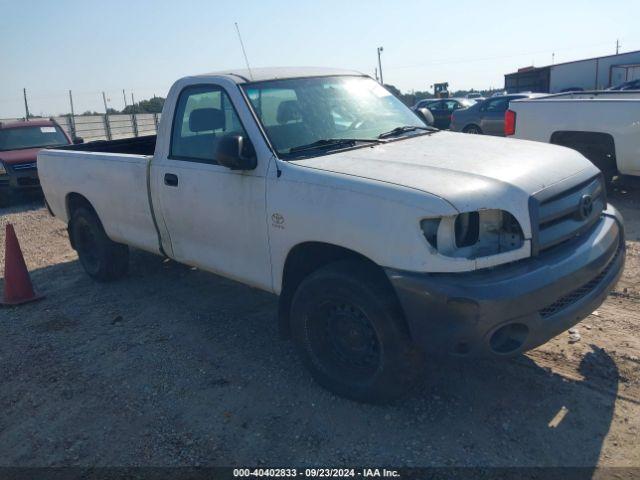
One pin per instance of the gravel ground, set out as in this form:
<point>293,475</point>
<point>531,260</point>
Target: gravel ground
<point>174,366</point>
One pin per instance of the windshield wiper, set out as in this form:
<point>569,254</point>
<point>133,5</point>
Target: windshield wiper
<point>407,128</point>
<point>332,142</point>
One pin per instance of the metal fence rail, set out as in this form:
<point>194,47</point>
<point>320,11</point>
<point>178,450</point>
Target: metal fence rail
<point>106,127</point>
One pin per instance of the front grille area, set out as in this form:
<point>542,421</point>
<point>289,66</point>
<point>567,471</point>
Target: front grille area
<point>575,295</point>
<point>24,166</point>
<point>568,214</point>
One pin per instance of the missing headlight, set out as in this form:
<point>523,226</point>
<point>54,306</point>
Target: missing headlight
<point>474,234</point>
<point>467,229</point>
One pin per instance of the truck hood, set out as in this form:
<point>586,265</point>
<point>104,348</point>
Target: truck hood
<point>468,171</point>
<point>13,157</point>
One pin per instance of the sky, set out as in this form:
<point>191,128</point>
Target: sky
<point>89,46</point>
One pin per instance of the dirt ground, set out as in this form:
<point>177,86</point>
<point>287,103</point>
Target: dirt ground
<point>174,366</point>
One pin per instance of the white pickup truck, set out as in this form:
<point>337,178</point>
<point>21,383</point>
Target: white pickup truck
<point>603,125</point>
<point>383,237</point>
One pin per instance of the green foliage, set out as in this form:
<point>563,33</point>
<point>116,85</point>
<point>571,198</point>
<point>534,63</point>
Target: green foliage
<point>408,99</point>
<point>153,105</point>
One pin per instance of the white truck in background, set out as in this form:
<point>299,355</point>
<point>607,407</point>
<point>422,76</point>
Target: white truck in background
<point>603,125</point>
<point>381,236</point>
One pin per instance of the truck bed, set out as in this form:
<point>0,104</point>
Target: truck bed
<point>132,146</point>
<point>113,176</point>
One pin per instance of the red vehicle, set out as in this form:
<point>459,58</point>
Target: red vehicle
<point>20,143</point>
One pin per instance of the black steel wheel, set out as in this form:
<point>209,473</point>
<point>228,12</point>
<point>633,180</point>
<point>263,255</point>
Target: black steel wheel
<point>351,334</point>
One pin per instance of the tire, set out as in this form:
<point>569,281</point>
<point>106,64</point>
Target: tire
<point>472,129</point>
<point>351,335</point>
<point>103,259</point>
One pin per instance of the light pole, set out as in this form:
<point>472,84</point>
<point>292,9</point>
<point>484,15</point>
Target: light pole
<point>380,49</point>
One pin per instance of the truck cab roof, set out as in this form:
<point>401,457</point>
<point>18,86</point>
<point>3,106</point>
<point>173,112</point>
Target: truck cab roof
<point>243,75</point>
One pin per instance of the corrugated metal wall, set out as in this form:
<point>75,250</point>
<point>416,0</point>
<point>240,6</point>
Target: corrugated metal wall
<point>592,74</point>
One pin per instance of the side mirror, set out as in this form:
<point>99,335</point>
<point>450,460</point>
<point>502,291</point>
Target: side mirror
<point>78,140</point>
<point>425,115</point>
<point>236,153</point>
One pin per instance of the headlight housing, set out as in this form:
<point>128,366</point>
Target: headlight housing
<point>474,234</point>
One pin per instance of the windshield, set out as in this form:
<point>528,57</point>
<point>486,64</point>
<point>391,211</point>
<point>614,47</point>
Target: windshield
<point>303,111</point>
<point>19,138</point>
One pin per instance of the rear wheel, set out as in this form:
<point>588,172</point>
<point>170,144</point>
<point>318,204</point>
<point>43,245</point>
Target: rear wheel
<point>103,259</point>
<point>351,334</point>
<point>472,129</point>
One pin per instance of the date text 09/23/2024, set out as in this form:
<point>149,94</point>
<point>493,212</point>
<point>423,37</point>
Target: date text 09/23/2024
<point>315,472</point>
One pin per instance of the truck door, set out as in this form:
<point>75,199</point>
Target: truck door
<point>214,217</point>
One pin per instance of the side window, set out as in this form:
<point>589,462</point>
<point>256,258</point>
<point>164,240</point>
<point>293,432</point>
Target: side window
<point>452,105</point>
<point>203,116</point>
<point>436,106</point>
<point>497,105</point>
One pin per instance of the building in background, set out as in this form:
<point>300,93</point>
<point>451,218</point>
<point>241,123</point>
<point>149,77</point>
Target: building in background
<point>591,74</point>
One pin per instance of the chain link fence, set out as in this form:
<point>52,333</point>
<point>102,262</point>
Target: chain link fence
<point>106,127</point>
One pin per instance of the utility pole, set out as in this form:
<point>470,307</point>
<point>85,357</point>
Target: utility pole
<point>26,105</point>
<point>134,120</point>
<point>72,120</point>
<point>376,71</point>
<point>380,50</point>
<point>104,99</point>
<point>553,58</point>
<point>125,98</point>
<point>107,128</point>
<point>617,47</point>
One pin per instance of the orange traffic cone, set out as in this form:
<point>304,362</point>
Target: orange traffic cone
<point>17,284</point>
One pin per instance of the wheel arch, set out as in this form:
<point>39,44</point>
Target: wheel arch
<point>304,259</point>
<point>598,147</point>
<point>471,124</point>
<point>73,201</point>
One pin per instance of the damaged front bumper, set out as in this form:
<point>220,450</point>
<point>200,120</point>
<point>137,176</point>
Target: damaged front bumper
<point>513,308</point>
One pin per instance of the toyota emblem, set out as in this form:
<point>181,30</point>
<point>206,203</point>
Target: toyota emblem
<point>585,208</point>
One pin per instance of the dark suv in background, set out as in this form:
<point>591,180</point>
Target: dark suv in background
<point>20,143</point>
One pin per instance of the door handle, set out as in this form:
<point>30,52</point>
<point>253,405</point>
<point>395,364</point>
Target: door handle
<point>171,179</point>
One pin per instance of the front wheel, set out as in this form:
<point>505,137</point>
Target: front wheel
<point>102,258</point>
<point>351,334</point>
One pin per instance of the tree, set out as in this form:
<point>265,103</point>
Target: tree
<point>408,99</point>
<point>153,105</point>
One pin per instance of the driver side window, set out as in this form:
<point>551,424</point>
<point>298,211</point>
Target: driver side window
<point>204,115</point>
